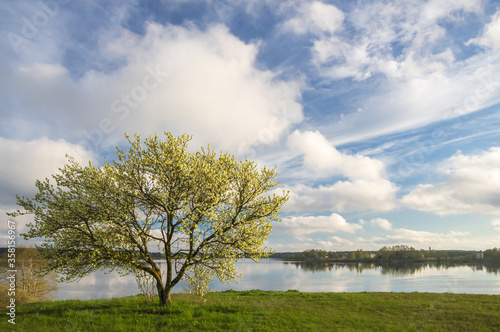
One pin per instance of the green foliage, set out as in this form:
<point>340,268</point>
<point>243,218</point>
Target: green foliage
<point>308,255</point>
<point>267,311</point>
<point>319,255</point>
<point>393,253</point>
<point>203,210</point>
<point>198,281</point>
<point>492,254</point>
<point>400,252</point>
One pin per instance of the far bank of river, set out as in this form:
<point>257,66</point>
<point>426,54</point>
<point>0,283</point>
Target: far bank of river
<point>273,274</point>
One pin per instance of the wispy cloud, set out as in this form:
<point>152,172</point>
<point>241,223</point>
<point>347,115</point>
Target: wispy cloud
<point>313,17</point>
<point>490,37</point>
<point>406,51</point>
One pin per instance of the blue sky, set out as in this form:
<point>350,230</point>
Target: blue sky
<point>382,117</point>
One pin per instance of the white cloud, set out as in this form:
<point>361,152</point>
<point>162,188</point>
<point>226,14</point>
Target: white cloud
<point>321,156</point>
<point>491,34</point>
<point>495,223</point>
<point>473,186</point>
<point>312,224</point>
<point>365,188</point>
<point>452,240</point>
<point>24,162</point>
<point>175,78</point>
<point>423,238</point>
<point>418,239</point>
<point>419,79</point>
<point>355,59</point>
<point>335,243</point>
<point>382,223</point>
<point>291,247</point>
<point>315,17</point>
<point>382,28</point>
<point>408,43</point>
<point>343,196</point>
<point>409,103</point>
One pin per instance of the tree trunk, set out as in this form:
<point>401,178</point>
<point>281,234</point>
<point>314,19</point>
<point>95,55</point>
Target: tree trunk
<point>165,295</point>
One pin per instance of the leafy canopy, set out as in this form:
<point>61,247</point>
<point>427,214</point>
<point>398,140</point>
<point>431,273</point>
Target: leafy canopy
<point>203,210</point>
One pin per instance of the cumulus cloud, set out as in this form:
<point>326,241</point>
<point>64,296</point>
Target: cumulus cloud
<point>473,186</point>
<point>365,186</point>
<point>382,223</point>
<point>343,196</point>
<point>312,224</point>
<point>24,162</point>
<point>321,156</point>
<point>174,78</point>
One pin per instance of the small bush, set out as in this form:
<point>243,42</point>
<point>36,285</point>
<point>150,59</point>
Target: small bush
<point>147,285</point>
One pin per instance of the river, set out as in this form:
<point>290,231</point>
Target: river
<point>275,274</point>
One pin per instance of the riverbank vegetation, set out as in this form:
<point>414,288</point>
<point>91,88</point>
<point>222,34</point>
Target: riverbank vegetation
<point>33,283</point>
<point>396,253</point>
<point>266,311</point>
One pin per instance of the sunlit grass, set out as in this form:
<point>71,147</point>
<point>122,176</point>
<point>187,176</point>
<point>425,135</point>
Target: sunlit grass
<point>266,311</point>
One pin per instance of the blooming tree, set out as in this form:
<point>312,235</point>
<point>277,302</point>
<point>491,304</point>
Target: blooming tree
<point>204,210</point>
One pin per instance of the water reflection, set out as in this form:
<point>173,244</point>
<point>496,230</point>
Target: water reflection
<point>492,268</point>
<point>275,274</point>
<point>392,268</point>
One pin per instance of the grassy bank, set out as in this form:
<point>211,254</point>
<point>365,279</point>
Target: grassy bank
<point>266,311</point>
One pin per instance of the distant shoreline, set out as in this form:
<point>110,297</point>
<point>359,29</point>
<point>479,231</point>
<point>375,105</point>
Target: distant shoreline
<point>397,261</point>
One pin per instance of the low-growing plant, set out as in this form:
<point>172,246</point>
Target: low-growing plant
<point>147,285</point>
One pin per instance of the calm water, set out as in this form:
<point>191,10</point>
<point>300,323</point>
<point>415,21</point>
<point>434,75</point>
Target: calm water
<point>278,275</point>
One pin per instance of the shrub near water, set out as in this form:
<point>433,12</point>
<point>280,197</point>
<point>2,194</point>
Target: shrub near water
<point>32,282</point>
<point>267,311</point>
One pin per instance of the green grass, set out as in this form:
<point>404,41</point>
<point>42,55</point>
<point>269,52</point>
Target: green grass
<point>266,311</point>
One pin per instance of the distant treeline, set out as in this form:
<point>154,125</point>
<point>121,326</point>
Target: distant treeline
<point>394,253</point>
